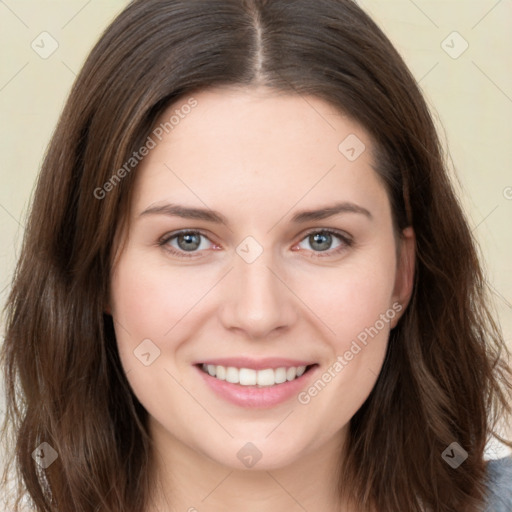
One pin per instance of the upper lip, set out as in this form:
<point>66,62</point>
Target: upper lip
<point>256,364</point>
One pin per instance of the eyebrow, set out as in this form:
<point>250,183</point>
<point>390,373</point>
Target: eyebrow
<point>185,212</point>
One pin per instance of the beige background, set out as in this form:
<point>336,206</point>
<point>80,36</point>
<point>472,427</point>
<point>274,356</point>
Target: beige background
<point>470,95</point>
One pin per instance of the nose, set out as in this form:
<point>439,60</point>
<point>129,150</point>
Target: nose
<point>257,302</point>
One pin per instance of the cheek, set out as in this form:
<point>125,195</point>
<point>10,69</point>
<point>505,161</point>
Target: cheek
<point>356,303</point>
<point>153,301</point>
<point>354,297</point>
<point>137,302</point>
<point>150,299</point>
<point>358,310</point>
<point>149,307</point>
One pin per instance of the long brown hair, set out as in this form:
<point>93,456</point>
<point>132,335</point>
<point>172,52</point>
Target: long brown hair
<point>445,377</point>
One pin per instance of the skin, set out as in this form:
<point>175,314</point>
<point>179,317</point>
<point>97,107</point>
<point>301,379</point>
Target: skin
<point>256,157</point>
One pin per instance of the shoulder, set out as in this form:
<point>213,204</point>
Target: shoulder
<point>499,485</point>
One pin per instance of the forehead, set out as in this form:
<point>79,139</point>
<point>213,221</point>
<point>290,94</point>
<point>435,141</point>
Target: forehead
<point>256,120</point>
<point>253,148</point>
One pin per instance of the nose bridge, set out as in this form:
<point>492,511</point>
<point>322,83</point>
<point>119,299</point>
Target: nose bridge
<point>258,302</point>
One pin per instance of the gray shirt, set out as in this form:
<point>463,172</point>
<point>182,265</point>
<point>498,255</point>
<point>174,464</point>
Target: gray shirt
<point>499,483</point>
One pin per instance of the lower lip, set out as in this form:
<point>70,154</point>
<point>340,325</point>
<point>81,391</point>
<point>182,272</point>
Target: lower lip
<point>252,396</point>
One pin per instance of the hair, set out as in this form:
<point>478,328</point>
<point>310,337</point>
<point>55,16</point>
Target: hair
<point>445,377</point>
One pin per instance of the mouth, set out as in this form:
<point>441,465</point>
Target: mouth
<point>257,378</point>
<point>262,384</point>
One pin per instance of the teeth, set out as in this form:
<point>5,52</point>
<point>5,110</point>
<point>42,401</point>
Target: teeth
<point>249,377</point>
<point>266,377</point>
<point>300,370</point>
<point>280,375</point>
<point>232,375</point>
<point>220,372</point>
<point>291,373</point>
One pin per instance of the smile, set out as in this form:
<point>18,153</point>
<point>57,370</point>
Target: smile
<point>251,377</point>
<point>262,383</point>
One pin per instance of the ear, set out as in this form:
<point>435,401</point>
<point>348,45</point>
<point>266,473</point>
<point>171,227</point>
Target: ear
<point>404,280</point>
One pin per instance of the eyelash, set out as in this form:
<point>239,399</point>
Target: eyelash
<point>346,242</point>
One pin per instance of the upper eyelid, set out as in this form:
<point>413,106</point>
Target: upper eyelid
<point>170,236</point>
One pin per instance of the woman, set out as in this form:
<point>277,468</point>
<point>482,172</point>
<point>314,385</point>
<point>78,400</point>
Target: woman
<point>247,282</point>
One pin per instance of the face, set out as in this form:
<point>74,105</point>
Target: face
<point>260,277</point>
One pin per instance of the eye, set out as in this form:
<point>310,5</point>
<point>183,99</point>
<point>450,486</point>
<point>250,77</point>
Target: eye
<point>189,243</point>
<point>183,242</point>
<point>321,241</point>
